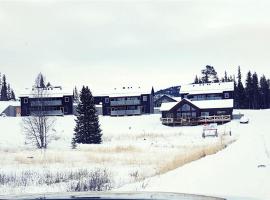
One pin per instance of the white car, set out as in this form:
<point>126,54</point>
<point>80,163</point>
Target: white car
<point>3,115</point>
<point>244,120</point>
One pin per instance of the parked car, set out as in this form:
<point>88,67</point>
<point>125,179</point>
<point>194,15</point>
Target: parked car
<point>3,115</point>
<point>244,120</point>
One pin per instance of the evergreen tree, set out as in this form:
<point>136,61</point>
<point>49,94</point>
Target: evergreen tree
<point>241,95</point>
<point>264,93</point>
<point>209,75</point>
<point>4,96</point>
<point>249,91</point>
<point>255,88</point>
<point>75,95</point>
<point>87,129</point>
<point>196,80</point>
<point>40,81</point>
<point>13,97</point>
<point>236,98</point>
<point>8,92</point>
<point>225,77</point>
<point>48,85</point>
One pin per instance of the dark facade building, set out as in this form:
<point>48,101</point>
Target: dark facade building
<point>201,103</point>
<point>51,101</point>
<point>126,101</point>
<point>207,91</point>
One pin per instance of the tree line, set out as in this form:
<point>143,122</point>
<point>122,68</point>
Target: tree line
<point>6,92</point>
<point>253,93</point>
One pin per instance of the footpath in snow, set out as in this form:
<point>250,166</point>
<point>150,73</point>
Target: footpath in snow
<point>241,171</point>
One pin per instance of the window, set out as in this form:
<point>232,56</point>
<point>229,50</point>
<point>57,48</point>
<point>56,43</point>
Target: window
<point>25,100</point>
<point>144,98</point>
<point>66,99</point>
<point>226,95</point>
<point>204,114</point>
<point>185,107</point>
<point>107,100</point>
<point>221,112</point>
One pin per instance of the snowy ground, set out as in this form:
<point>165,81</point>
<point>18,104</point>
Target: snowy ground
<point>241,171</point>
<point>133,149</point>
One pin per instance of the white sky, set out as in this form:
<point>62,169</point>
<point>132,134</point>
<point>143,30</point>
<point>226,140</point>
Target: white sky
<point>110,43</point>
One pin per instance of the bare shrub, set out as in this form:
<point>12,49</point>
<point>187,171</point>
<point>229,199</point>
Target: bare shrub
<point>96,181</point>
<point>81,180</point>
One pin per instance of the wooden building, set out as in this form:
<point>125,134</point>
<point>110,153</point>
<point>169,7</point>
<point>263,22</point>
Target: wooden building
<point>48,101</point>
<point>126,101</point>
<point>208,103</point>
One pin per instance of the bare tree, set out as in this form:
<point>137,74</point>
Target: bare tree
<point>37,126</point>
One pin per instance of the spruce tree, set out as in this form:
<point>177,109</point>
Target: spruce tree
<point>13,97</point>
<point>87,129</point>
<point>196,80</point>
<point>249,91</point>
<point>255,88</point>
<point>75,95</point>
<point>264,93</point>
<point>4,96</point>
<point>241,95</point>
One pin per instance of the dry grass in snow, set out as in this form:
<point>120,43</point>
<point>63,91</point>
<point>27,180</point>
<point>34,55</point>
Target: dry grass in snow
<point>133,148</point>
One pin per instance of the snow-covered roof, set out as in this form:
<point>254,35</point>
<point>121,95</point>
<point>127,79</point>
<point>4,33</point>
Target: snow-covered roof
<point>177,98</point>
<point>124,91</point>
<point>5,104</point>
<point>207,104</point>
<point>45,92</point>
<point>167,106</point>
<point>206,88</point>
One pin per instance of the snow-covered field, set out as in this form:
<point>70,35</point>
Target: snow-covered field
<point>241,171</point>
<point>133,149</point>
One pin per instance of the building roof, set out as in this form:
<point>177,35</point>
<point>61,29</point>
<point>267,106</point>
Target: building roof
<point>206,104</point>
<point>167,106</point>
<point>5,104</point>
<point>48,92</point>
<point>124,92</point>
<point>207,88</point>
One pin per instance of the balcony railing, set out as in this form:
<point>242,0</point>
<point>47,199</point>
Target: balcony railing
<point>125,112</point>
<point>198,120</point>
<point>46,103</point>
<point>125,102</point>
<point>48,113</point>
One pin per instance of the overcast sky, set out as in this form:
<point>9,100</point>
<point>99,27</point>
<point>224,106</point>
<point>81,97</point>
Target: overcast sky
<point>149,43</point>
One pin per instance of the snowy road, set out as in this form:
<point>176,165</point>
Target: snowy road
<point>241,171</point>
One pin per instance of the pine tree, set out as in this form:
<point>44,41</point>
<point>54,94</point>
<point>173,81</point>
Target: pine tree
<point>249,91</point>
<point>4,96</point>
<point>40,81</point>
<point>8,92</point>
<point>87,129</point>
<point>13,97</point>
<point>255,88</point>
<point>225,77</point>
<point>196,80</point>
<point>241,95</point>
<point>75,95</point>
<point>209,75</point>
<point>264,93</point>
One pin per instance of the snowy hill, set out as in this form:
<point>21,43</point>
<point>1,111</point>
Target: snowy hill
<point>241,171</point>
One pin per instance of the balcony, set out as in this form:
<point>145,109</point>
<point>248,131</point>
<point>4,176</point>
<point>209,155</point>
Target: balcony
<point>48,113</point>
<point>125,102</point>
<point>125,112</point>
<point>46,103</point>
